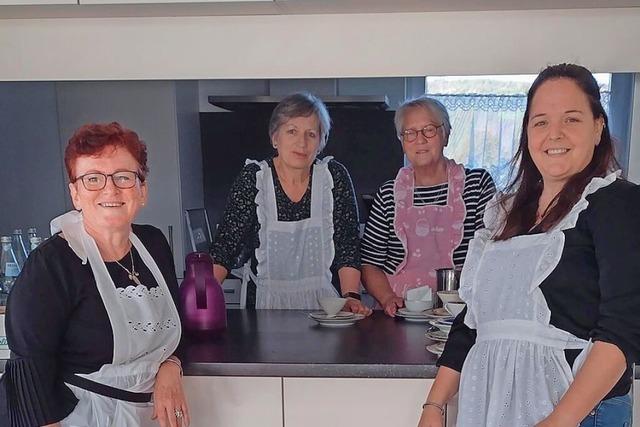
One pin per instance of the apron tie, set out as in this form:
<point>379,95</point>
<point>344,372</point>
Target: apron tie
<point>530,331</point>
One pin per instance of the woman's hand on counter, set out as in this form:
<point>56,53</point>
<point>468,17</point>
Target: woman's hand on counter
<point>356,306</point>
<point>391,304</point>
<point>431,417</point>
<point>170,404</point>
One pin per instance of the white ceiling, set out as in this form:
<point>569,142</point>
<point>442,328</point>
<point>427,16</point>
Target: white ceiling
<point>296,7</point>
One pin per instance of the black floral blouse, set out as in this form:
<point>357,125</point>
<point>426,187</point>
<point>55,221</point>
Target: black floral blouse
<point>238,232</point>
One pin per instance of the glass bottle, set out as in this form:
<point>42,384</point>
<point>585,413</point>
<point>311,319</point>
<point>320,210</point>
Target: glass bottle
<point>9,269</point>
<point>34,242</point>
<point>19,248</point>
<point>31,232</point>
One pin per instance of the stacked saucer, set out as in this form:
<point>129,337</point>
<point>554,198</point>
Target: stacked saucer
<point>436,348</point>
<point>439,332</point>
<point>423,316</point>
<point>343,318</point>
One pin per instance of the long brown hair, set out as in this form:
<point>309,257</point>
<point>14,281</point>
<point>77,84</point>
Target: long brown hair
<point>525,188</point>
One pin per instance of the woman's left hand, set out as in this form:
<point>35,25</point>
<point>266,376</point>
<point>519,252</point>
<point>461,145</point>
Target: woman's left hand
<point>169,403</point>
<point>356,306</point>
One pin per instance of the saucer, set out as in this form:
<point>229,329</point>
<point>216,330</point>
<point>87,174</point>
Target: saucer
<point>438,313</point>
<point>321,315</point>
<point>436,349</point>
<point>337,321</point>
<point>404,312</point>
<point>443,326</point>
<point>411,316</point>
<point>437,335</point>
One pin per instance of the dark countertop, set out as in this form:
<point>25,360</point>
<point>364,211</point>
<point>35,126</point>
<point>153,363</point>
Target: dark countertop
<point>286,343</point>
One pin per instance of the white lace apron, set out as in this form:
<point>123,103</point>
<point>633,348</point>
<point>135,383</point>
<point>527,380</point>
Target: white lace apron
<point>516,372</point>
<point>294,257</point>
<point>146,330</point>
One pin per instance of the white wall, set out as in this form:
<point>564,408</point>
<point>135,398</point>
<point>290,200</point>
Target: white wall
<point>634,149</point>
<point>316,46</point>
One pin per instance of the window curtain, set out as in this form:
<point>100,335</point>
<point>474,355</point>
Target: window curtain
<point>485,130</point>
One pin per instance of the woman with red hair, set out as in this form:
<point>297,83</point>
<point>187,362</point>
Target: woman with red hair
<point>92,322</point>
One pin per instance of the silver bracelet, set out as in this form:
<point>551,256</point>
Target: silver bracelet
<point>175,361</point>
<point>427,403</point>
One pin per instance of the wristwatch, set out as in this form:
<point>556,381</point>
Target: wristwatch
<point>353,295</point>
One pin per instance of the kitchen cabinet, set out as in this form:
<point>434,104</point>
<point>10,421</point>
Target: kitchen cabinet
<point>35,2</point>
<point>321,402</point>
<point>234,401</point>
<point>170,1</point>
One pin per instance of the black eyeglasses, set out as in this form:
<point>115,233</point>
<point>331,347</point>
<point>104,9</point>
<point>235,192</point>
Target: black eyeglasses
<point>96,181</point>
<point>410,135</point>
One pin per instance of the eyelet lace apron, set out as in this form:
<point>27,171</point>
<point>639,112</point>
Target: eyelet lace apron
<point>294,257</point>
<point>146,330</point>
<point>516,372</point>
<point>429,234</point>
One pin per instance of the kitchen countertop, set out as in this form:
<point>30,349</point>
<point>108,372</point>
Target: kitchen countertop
<point>287,343</point>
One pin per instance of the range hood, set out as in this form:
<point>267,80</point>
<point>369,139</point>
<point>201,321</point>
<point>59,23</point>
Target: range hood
<point>243,103</point>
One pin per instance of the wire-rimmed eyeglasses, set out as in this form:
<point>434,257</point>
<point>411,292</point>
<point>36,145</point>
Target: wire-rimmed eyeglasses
<point>410,135</point>
<point>95,181</point>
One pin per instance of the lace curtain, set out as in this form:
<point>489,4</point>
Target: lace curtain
<point>486,130</point>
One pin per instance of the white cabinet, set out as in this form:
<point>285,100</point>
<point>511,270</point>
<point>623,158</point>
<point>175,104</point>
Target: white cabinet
<point>234,401</point>
<point>35,2</point>
<point>371,402</point>
<point>170,1</point>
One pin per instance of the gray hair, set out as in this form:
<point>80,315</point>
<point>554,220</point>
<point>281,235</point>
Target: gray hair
<point>431,105</point>
<point>301,104</point>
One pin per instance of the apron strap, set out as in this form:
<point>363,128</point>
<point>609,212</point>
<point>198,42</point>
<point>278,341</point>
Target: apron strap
<point>530,331</point>
<point>106,390</point>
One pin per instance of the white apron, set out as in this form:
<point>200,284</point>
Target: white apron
<point>516,372</point>
<point>146,330</point>
<point>294,257</point>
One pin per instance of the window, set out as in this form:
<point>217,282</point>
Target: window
<point>486,117</point>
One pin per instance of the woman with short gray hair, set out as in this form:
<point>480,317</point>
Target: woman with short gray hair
<point>424,218</point>
<point>297,214</point>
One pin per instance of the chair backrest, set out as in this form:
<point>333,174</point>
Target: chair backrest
<point>199,230</point>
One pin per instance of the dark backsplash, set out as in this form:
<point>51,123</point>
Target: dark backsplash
<point>363,140</point>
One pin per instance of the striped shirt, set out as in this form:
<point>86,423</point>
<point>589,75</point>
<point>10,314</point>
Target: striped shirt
<point>380,244</point>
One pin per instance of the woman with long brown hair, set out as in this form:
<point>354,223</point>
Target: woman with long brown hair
<point>551,327</point>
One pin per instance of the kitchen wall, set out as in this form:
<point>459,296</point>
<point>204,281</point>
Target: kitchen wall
<point>37,119</point>
<point>32,183</point>
<point>317,46</point>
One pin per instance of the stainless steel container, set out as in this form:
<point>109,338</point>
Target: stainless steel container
<point>447,279</point>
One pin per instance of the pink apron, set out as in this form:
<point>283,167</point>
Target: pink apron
<point>429,234</point>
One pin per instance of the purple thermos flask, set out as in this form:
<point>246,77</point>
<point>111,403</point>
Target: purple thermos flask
<point>201,297</point>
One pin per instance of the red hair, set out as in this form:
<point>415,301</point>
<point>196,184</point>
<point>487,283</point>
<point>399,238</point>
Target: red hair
<point>93,138</point>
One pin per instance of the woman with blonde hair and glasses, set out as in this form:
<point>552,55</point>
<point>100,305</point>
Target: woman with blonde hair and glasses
<point>424,218</point>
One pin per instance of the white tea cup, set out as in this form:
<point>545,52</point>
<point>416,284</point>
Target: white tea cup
<point>332,305</point>
<point>455,308</point>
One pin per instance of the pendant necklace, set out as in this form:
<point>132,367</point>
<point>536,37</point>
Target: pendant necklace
<point>133,274</point>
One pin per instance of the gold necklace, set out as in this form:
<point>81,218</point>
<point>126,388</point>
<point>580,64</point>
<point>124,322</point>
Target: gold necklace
<point>133,274</point>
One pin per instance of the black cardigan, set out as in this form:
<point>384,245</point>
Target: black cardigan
<point>594,291</point>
